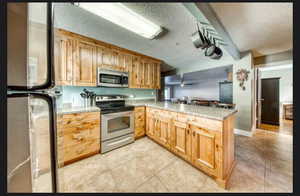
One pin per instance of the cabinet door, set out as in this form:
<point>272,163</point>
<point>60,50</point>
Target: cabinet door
<point>150,123</point>
<point>127,62</point>
<point>206,149</point>
<point>158,77</point>
<point>162,129</point>
<point>141,74</point>
<point>146,69</point>
<point>139,121</point>
<point>63,60</point>
<point>85,69</point>
<point>115,60</point>
<point>181,139</point>
<point>134,78</point>
<point>106,58</point>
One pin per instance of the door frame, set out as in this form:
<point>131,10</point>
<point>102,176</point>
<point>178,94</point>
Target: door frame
<point>255,108</point>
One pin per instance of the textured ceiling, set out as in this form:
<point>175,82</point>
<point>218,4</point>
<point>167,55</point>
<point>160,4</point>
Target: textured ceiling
<point>264,28</point>
<point>175,48</point>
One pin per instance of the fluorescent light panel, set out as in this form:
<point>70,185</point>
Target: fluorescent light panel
<point>121,15</point>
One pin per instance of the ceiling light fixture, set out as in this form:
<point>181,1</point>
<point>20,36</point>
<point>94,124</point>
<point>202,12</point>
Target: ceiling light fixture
<point>121,15</point>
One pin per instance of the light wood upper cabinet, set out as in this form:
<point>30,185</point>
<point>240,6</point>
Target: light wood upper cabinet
<point>85,66</point>
<point>181,139</point>
<point>206,149</point>
<point>77,58</point>
<point>64,57</point>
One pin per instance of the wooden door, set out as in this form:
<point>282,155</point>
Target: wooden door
<point>163,128</point>
<point>85,67</point>
<point>150,123</point>
<point>115,60</point>
<point>139,121</point>
<point>270,101</point>
<point>206,149</point>
<point>157,76</point>
<point>134,78</point>
<point>106,59</point>
<point>142,74</point>
<point>146,67</point>
<point>64,58</point>
<point>181,139</point>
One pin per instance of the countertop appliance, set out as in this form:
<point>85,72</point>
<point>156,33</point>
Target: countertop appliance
<point>117,122</point>
<point>109,78</point>
<point>31,129</point>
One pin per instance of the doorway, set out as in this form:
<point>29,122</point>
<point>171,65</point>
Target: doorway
<point>274,95</point>
<point>270,101</point>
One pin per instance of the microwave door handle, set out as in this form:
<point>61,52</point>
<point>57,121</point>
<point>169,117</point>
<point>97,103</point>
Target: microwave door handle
<point>118,114</point>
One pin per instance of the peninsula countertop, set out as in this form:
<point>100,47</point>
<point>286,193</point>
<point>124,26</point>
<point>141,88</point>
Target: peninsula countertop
<point>201,111</point>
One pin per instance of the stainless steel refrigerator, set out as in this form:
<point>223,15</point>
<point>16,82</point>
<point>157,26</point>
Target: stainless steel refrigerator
<point>31,127</point>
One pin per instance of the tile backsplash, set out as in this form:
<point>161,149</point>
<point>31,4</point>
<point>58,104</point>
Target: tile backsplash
<point>71,94</point>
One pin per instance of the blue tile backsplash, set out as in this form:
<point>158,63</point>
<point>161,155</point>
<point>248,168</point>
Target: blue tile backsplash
<point>71,94</point>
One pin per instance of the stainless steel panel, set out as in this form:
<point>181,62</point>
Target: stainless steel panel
<point>28,148</point>
<point>116,142</point>
<point>27,44</point>
<point>107,134</point>
<point>19,178</point>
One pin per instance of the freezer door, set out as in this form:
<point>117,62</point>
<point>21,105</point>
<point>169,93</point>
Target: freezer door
<point>31,162</point>
<point>29,46</point>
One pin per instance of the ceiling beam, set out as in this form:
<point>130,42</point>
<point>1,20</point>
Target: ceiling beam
<point>204,13</point>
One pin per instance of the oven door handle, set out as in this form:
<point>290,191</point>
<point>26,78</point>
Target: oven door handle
<point>118,114</point>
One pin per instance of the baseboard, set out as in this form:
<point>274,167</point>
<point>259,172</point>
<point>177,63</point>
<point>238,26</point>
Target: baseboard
<point>243,132</point>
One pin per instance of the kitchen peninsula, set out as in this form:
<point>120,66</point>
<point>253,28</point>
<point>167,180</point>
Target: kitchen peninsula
<point>202,136</point>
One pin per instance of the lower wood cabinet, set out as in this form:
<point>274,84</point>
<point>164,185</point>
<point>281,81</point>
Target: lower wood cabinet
<point>162,128</point>
<point>139,122</point>
<point>78,136</point>
<point>181,139</point>
<point>205,143</point>
<point>206,149</point>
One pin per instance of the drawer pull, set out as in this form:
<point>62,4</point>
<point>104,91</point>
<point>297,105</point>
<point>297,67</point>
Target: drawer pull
<point>78,136</point>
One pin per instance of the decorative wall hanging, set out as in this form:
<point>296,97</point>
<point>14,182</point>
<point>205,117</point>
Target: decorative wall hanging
<point>242,76</point>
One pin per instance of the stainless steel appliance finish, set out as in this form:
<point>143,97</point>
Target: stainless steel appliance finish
<point>30,104</point>
<point>117,122</point>
<point>108,78</point>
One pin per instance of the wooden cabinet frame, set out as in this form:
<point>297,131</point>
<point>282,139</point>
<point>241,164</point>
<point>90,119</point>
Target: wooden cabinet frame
<point>144,71</point>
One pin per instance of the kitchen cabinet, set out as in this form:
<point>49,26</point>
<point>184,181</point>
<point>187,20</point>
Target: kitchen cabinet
<point>206,148</point>
<point>205,143</point>
<point>139,122</point>
<point>78,136</point>
<point>150,122</point>
<point>163,128</point>
<point>64,58</point>
<point>181,139</point>
<point>77,58</point>
<point>85,64</point>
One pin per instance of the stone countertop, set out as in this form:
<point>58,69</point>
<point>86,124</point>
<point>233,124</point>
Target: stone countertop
<point>77,109</point>
<point>201,111</point>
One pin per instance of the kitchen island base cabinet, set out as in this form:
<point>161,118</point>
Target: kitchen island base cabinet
<point>206,144</point>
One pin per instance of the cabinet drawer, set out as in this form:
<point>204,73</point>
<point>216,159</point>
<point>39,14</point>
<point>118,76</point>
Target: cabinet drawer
<point>74,152</point>
<point>210,124</point>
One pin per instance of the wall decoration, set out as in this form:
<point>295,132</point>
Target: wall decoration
<point>242,76</point>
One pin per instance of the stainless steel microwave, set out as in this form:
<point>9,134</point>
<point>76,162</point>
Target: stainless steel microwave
<point>108,78</point>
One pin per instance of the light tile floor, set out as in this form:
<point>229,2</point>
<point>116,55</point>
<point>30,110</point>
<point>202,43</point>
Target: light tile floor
<point>264,164</point>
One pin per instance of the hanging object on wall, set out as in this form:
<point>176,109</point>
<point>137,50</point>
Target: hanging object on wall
<point>242,76</point>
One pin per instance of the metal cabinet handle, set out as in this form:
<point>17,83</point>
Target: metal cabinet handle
<point>188,131</point>
<point>194,133</point>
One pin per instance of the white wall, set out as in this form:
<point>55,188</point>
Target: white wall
<point>204,90</point>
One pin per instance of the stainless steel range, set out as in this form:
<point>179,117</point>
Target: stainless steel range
<point>117,122</point>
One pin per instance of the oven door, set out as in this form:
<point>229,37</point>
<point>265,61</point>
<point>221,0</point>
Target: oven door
<point>116,124</point>
<point>109,79</point>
